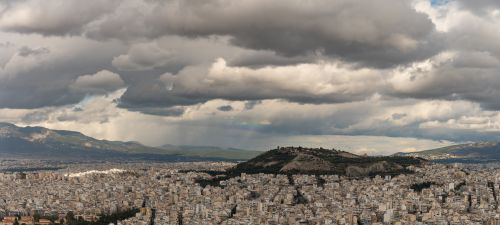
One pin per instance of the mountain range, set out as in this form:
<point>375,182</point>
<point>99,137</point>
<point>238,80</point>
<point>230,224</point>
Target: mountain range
<point>43,143</point>
<point>480,152</point>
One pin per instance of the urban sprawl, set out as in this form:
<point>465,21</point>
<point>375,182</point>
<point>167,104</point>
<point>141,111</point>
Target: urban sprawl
<point>168,193</point>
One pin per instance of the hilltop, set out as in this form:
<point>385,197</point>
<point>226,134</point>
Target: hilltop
<point>298,160</point>
<point>470,152</point>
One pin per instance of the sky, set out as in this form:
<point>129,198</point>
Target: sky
<point>373,77</point>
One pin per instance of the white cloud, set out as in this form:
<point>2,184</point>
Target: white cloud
<point>319,82</point>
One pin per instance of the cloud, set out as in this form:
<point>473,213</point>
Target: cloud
<point>48,71</point>
<point>101,82</point>
<point>6,44</point>
<point>364,32</point>
<point>431,120</point>
<point>267,58</point>
<point>173,53</point>
<point>91,110</point>
<point>251,104</point>
<point>160,111</point>
<point>108,122</point>
<point>307,83</point>
<point>27,51</point>
<point>52,18</point>
<point>35,117</point>
<point>285,70</point>
<point>405,124</point>
<point>297,28</point>
<point>23,59</point>
<point>453,75</point>
<point>479,6</point>
<point>436,120</point>
<point>143,57</point>
<point>225,108</point>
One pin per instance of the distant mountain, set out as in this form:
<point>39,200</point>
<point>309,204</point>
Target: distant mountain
<point>43,143</point>
<point>293,160</point>
<point>471,152</point>
<point>210,151</point>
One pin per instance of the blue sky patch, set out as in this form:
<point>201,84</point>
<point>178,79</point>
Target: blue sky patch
<point>439,2</point>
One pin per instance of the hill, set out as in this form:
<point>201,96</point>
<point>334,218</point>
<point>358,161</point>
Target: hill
<point>472,152</point>
<point>43,143</point>
<point>297,160</point>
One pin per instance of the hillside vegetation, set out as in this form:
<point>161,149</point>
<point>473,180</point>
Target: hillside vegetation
<point>297,160</point>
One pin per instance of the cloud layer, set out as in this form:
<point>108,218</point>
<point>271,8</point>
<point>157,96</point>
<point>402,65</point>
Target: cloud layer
<point>254,68</point>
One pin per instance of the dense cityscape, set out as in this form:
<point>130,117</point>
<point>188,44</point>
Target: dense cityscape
<point>168,193</point>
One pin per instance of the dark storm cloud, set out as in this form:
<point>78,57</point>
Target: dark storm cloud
<point>35,77</point>
<point>225,108</point>
<point>359,31</point>
<point>35,95</point>
<point>363,33</point>
<point>168,112</point>
<point>153,94</point>
<point>469,76</point>
<point>266,58</point>
<point>67,117</point>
